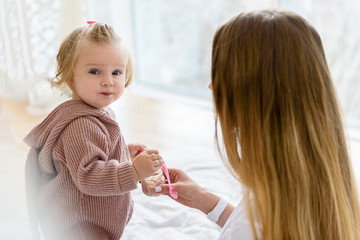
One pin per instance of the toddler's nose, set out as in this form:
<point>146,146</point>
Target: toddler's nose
<point>107,82</point>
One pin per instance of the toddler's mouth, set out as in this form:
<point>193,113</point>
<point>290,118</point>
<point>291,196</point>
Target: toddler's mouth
<point>106,93</point>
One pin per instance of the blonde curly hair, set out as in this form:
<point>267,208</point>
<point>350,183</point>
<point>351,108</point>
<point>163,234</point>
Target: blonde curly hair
<point>71,47</point>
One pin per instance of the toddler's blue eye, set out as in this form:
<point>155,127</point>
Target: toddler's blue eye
<point>95,72</point>
<point>116,73</point>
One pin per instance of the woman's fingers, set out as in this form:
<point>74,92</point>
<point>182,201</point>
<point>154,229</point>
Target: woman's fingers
<point>150,189</point>
<point>163,189</point>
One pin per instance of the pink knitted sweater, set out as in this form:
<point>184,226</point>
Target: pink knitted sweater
<point>78,175</point>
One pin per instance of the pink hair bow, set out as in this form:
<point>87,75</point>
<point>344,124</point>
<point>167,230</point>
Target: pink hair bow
<point>90,22</point>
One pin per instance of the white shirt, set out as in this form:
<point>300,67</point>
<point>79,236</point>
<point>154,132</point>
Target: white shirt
<point>238,225</point>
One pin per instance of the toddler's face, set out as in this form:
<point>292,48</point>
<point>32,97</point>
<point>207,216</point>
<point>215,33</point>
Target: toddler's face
<point>99,74</point>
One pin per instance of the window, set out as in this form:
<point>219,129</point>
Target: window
<point>171,41</point>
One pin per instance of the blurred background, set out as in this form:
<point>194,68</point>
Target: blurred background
<point>169,105</point>
<point>170,40</point>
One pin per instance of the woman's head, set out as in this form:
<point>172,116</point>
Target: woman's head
<point>76,42</point>
<point>268,74</point>
<point>281,125</point>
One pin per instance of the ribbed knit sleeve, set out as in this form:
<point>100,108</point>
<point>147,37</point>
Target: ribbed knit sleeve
<point>87,145</point>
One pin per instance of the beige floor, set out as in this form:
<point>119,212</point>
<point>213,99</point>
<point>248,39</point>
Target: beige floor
<point>164,125</point>
<point>15,123</point>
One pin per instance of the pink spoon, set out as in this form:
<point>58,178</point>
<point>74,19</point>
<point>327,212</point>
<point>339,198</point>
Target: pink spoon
<point>173,193</point>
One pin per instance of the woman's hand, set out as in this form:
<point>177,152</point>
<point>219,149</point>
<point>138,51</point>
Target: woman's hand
<point>135,149</point>
<point>189,192</point>
<point>150,189</point>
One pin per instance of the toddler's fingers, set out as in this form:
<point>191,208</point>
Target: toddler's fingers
<point>155,168</point>
<point>155,157</point>
<point>158,162</point>
<point>152,151</point>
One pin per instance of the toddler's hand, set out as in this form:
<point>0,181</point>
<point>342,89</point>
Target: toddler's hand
<point>135,149</point>
<point>146,164</point>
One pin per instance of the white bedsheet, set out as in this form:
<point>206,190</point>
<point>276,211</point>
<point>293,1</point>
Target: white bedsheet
<point>162,218</point>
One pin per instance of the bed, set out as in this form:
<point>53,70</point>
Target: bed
<point>161,217</point>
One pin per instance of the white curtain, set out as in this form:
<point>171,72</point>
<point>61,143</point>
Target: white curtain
<point>31,31</point>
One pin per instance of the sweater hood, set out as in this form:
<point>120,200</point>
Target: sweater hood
<point>44,135</point>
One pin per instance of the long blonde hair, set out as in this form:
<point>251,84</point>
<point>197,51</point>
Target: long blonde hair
<point>71,47</point>
<point>282,129</point>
